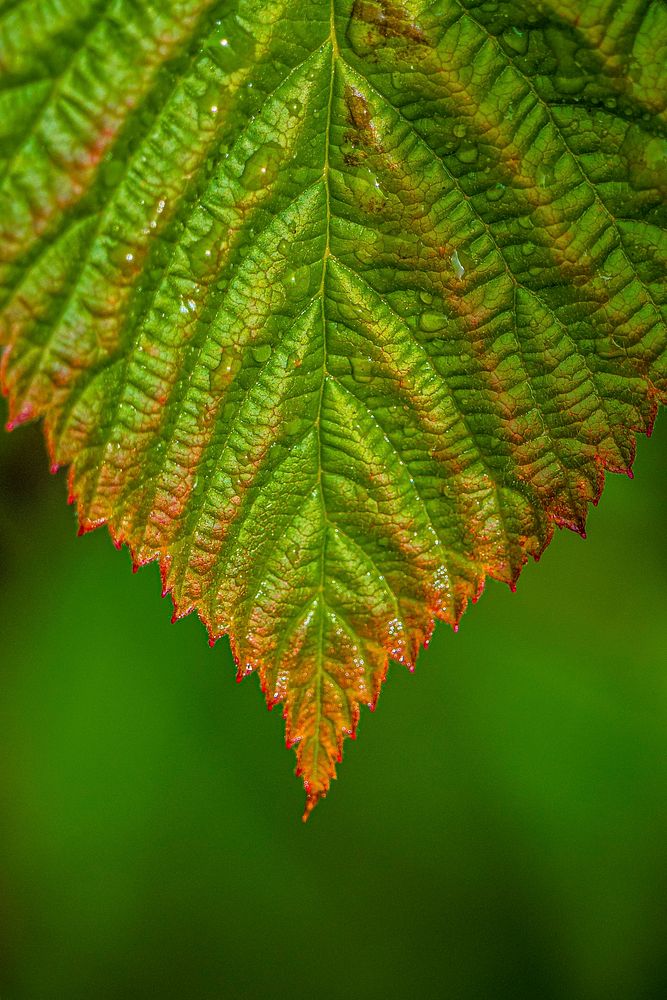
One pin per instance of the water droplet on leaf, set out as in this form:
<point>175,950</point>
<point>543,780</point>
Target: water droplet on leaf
<point>467,153</point>
<point>431,322</point>
<point>261,353</point>
<point>262,166</point>
<point>297,283</point>
<point>458,266</point>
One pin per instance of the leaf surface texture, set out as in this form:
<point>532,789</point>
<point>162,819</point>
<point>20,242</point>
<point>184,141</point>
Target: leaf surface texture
<point>333,307</point>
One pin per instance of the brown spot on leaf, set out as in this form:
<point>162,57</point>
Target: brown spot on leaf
<point>388,20</point>
<point>362,131</point>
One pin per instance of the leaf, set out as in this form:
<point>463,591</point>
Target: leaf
<point>333,307</point>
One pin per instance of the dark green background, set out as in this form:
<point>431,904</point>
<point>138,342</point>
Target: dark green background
<point>498,829</point>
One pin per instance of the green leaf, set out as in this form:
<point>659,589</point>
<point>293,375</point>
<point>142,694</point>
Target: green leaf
<point>333,307</point>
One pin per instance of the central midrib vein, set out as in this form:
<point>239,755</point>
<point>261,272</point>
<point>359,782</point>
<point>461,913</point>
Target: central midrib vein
<point>333,42</point>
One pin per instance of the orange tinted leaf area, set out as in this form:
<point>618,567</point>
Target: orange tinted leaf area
<point>334,308</point>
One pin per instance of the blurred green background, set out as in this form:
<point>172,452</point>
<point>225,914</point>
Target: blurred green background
<point>499,829</point>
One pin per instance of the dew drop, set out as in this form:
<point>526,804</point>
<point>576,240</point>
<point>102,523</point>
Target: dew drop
<point>431,322</point>
<point>458,266</point>
<point>297,283</point>
<point>261,353</point>
<point>467,153</point>
<point>262,167</point>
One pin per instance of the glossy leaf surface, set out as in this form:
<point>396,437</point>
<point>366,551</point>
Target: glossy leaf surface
<point>334,307</point>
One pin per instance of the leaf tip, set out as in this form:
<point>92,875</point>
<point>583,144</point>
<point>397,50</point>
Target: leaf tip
<point>312,798</point>
<point>18,413</point>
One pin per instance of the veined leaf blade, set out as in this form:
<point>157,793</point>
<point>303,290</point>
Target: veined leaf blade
<point>333,307</point>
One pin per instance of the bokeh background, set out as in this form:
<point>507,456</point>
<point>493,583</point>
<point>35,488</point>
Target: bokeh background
<point>499,829</point>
